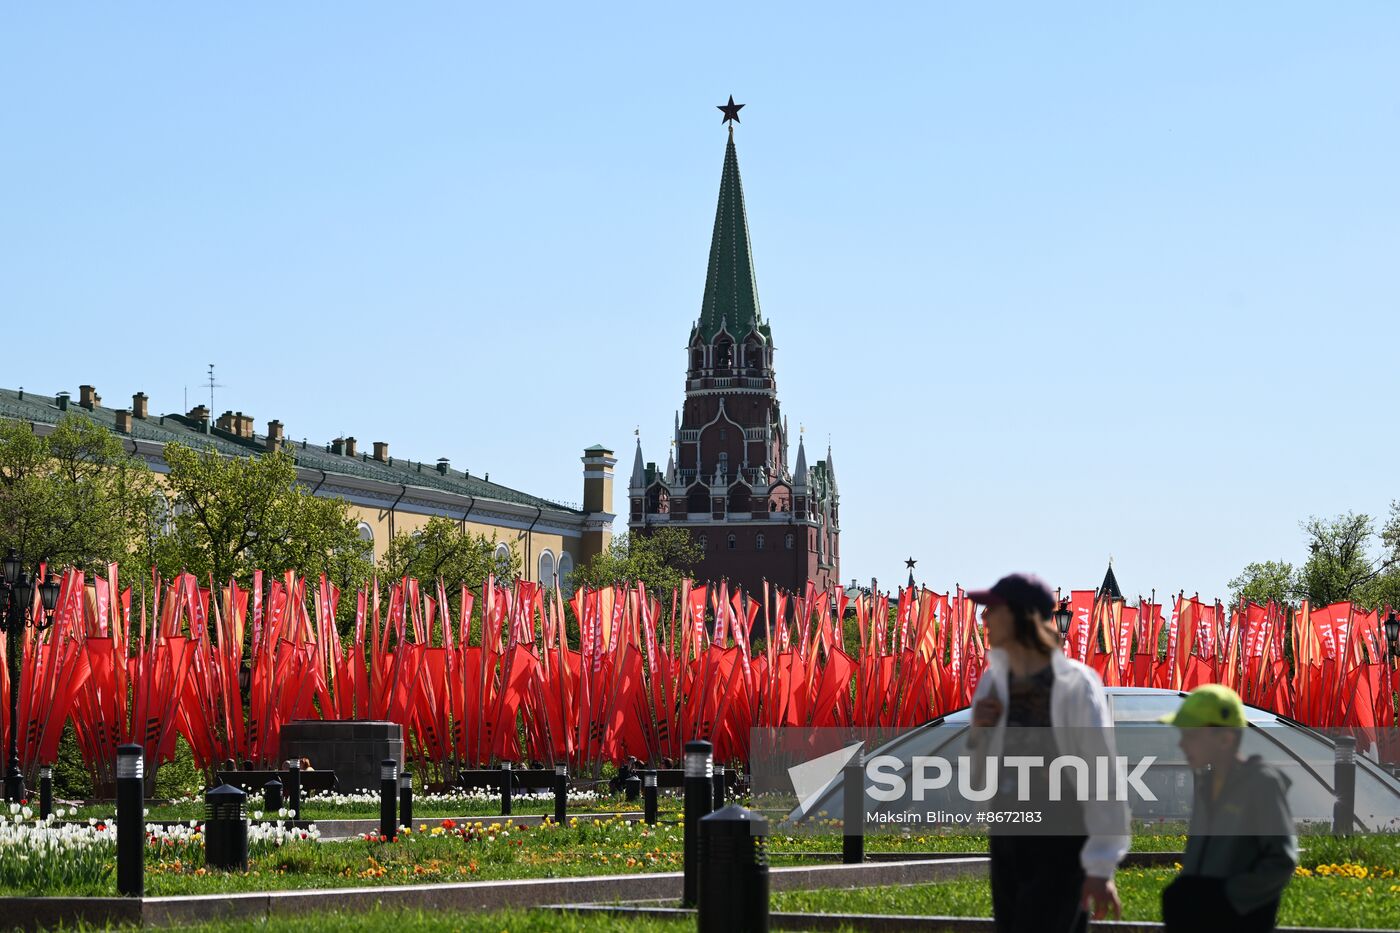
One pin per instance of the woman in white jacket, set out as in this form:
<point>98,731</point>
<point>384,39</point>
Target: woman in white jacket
<point>1044,882</point>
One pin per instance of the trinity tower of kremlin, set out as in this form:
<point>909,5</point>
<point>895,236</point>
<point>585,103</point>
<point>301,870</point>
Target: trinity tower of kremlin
<point>727,478</point>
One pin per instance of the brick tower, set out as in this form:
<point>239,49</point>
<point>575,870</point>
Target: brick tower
<point>727,479</point>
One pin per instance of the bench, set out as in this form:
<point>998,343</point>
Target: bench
<point>252,782</point>
<point>543,779</point>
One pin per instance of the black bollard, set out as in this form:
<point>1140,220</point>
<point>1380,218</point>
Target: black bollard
<point>733,872</point>
<point>507,777</point>
<point>632,787</point>
<point>561,793</point>
<point>45,791</point>
<point>292,788</point>
<point>718,781</point>
<point>272,797</point>
<point>388,787</point>
<point>1344,782</point>
<point>226,828</point>
<point>649,796</point>
<point>699,800</point>
<point>131,821</point>
<point>853,811</point>
<point>406,799</point>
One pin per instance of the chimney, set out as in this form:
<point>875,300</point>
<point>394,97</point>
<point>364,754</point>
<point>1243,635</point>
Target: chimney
<point>241,425</point>
<point>225,423</point>
<point>349,447</point>
<point>124,421</point>
<point>138,406</point>
<point>381,451</point>
<point>87,397</point>
<point>199,413</point>
<point>274,436</point>
<point>338,446</point>
<point>61,399</point>
<point>443,465</point>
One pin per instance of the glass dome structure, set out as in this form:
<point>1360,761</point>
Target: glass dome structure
<point>1307,757</point>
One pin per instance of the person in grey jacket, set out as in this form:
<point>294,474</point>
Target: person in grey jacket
<point>1241,848</point>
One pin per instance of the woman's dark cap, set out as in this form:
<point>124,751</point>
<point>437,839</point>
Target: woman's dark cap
<point>1021,591</point>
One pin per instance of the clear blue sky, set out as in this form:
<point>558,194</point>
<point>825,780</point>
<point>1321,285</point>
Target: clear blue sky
<point>1059,280</point>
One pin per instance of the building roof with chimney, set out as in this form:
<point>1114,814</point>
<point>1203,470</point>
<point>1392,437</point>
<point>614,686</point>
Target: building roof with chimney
<point>163,429</point>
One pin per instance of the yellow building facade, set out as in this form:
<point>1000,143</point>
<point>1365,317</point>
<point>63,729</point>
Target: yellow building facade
<point>388,495</point>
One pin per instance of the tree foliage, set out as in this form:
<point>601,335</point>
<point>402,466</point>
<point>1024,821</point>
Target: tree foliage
<point>661,560</point>
<point>1349,560</point>
<point>1265,581</point>
<point>75,496</point>
<point>1343,562</point>
<point>232,515</point>
<point>443,548</point>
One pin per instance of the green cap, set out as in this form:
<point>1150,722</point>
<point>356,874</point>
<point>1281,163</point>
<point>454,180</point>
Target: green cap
<point>1209,705</point>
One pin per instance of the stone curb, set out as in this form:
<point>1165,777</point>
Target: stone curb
<point>889,923</point>
<point>1131,860</point>
<point>29,913</point>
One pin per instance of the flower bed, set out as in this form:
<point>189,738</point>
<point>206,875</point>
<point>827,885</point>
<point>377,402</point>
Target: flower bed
<point>53,857</point>
<point>365,805</point>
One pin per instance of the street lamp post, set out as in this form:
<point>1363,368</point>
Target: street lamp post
<point>1392,632</point>
<point>17,609</point>
<point>1062,618</point>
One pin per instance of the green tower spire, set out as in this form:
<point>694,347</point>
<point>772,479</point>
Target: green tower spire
<point>731,294</point>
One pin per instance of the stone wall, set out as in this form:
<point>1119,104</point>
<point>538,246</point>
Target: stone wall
<point>353,750</point>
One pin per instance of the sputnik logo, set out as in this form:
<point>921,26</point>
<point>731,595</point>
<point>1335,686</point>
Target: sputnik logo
<point>810,778</point>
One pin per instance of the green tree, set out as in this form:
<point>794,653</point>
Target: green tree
<point>234,515</point>
<point>75,497</point>
<point>1342,565</point>
<point>1261,582</point>
<point>1386,589</point>
<point>443,548</point>
<point>661,560</point>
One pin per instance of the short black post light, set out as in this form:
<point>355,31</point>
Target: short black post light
<point>507,778</point>
<point>1344,780</point>
<point>45,791</point>
<point>292,788</point>
<point>717,780</point>
<point>699,802</point>
<point>632,787</point>
<point>272,796</point>
<point>649,796</point>
<point>406,799</point>
<point>733,896</point>
<point>16,612</point>
<point>388,789</point>
<point>1063,617</point>
<point>1392,632</point>
<point>853,810</point>
<point>226,828</point>
<point>561,792</point>
<point>131,821</point>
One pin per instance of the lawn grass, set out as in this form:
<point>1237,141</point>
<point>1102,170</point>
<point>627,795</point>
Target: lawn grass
<point>1342,882</point>
<point>417,921</point>
<point>467,851</point>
